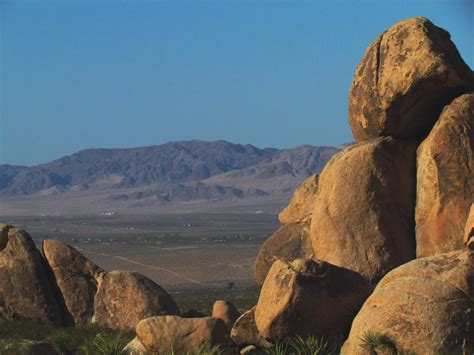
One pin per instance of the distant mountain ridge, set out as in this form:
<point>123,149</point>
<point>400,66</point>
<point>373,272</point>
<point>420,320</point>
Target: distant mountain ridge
<point>174,171</point>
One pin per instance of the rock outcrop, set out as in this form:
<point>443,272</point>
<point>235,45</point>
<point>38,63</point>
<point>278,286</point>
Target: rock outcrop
<point>404,79</point>
<point>301,205</point>
<point>292,240</point>
<point>124,298</point>
<point>226,311</point>
<point>445,179</point>
<point>76,277</point>
<point>245,332</point>
<point>308,297</point>
<point>425,306</point>
<point>363,218</point>
<point>161,334</point>
<point>26,290</point>
<point>289,242</point>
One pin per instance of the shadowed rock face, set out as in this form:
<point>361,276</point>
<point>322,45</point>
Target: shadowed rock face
<point>445,179</point>
<point>160,334</point>
<point>425,306</point>
<point>76,277</point>
<point>404,79</point>
<point>124,298</point>
<point>363,217</point>
<point>25,288</point>
<point>245,332</point>
<point>289,242</point>
<point>306,298</point>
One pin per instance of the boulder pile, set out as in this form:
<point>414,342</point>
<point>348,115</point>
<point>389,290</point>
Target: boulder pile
<point>404,191</point>
<point>67,288</point>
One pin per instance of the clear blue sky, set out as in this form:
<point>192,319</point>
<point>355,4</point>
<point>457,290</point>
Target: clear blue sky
<point>82,74</point>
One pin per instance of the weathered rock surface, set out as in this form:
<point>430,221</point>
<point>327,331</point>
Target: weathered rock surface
<point>25,287</point>
<point>245,332</point>
<point>76,277</point>
<point>289,242</point>
<point>445,179</point>
<point>425,306</point>
<point>160,334</point>
<point>226,311</point>
<point>404,79</point>
<point>306,298</point>
<point>301,205</point>
<point>469,229</point>
<point>124,298</point>
<point>135,347</point>
<point>363,217</point>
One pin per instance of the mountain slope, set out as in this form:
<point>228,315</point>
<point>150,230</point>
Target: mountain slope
<point>175,172</point>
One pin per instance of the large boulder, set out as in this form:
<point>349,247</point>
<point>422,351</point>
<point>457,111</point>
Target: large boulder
<point>76,277</point>
<point>26,290</point>
<point>301,204</point>
<point>404,79</point>
<point>289,242</point>
<point>425,306</point>
<point>307,297</point>
<point>124,298</point>
<point>182,335</point>
<point>226,311</point>
<point>245,332</point>
<point>445,179</point>
<point>363,218</point>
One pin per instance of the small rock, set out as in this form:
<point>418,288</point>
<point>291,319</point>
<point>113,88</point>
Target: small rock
<point>250,349</point>
<point>135,347</point>
<point>163,333</point>
<point>226,311</point>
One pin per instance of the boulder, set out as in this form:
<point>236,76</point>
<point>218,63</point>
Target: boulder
<point>245,332</point>
<point>124,298</point>
<point>363,218</point>
<point>425,306</point>
<point>76,277</point>
<point>161,334</point>
<point>307,297</point>
<point>301,205</point>
<point>445,179</point>
<point>226,311</point>
<point>469,229</point>
<point>289,242</point>
<point>26,290</point>
<point>405,78</point>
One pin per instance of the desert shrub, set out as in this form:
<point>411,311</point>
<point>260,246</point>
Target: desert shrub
<point>312,346</point>
<point>371,341</point>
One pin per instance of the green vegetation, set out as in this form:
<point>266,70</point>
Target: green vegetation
<point>382,342</point>
<point>66,340</point>
<point>203,299</point>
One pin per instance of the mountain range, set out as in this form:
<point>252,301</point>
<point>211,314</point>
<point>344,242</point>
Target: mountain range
<point>160,175</point>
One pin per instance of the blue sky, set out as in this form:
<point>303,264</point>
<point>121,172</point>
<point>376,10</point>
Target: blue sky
<point>84,74</point>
